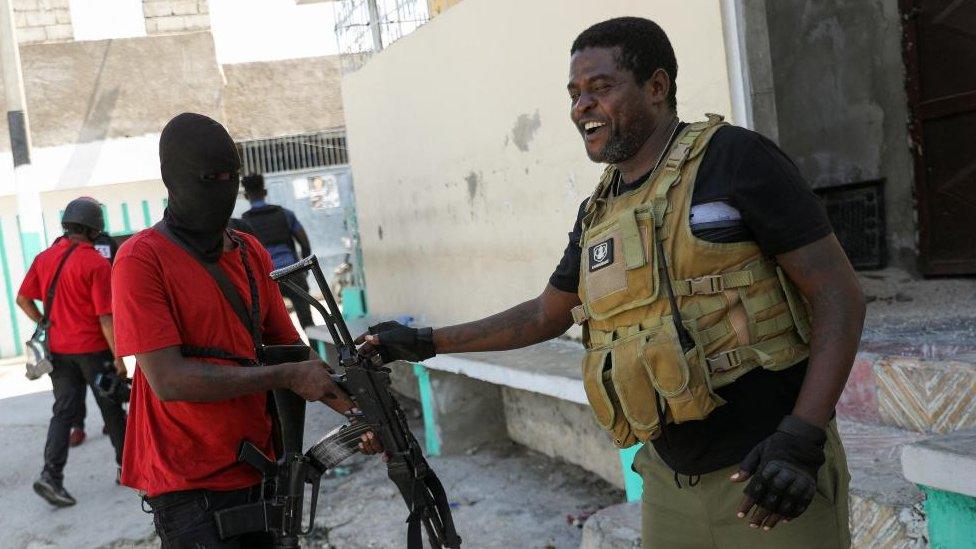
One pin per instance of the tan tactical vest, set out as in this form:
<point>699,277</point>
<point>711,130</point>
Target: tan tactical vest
<point>740,309</point>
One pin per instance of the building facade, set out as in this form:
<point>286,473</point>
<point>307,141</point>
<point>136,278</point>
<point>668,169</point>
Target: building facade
<point>96,102</point>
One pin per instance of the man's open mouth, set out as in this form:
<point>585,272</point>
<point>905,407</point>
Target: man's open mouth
<point>589,128</point>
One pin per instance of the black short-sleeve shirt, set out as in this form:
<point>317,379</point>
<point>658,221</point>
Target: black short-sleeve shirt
<point>746,189</point>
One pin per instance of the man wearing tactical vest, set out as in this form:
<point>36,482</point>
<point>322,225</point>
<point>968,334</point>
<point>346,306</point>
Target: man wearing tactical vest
<point>720,314</point>
<point>278,229</point>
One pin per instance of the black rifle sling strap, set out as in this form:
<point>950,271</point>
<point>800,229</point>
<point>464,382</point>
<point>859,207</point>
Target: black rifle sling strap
<point>49,297</point>
<point>250,320</point>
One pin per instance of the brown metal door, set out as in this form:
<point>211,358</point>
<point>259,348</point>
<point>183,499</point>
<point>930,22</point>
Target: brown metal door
<point>940,58</point>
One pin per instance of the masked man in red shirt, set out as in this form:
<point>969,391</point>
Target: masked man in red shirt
<point>80,336</point>
<point>189,410</point>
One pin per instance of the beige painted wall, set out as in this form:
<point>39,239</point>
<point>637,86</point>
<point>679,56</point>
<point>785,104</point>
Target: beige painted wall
<point>468,172</point>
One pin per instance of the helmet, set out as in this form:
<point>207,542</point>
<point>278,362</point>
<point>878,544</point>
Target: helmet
<point>86,212</point>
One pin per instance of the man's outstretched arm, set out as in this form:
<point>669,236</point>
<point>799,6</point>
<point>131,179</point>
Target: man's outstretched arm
<point>534,321</point>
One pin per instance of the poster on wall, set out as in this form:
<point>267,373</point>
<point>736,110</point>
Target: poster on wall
<point>322,191</point>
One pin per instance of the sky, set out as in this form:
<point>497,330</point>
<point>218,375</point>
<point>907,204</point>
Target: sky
<point>268,30</point>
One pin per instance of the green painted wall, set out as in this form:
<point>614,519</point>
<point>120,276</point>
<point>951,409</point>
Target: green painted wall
<point>8,286</point>
<point>431,439</point>
<point>951,519</point>
<point>633,483</point>
<point>126,222</point>
<point>146,217</point>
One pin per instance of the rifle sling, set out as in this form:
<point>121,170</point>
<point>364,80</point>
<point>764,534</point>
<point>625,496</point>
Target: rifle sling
<point>250,319</point>
<point>49,297</point>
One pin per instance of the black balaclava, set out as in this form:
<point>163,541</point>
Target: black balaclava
<point>192,150</point>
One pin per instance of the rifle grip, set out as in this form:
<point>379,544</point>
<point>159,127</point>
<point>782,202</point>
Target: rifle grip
<point>249,454</point>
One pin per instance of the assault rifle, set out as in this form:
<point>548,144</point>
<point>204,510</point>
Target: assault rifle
<point>279,510</point>
<point>367,381</point>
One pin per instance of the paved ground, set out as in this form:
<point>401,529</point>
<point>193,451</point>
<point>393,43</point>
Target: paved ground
<point>105,512</point>
<point>504,496</point>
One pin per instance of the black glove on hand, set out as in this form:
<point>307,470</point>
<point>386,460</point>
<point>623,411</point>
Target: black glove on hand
<point>784,470</point>
<point>399,342</point>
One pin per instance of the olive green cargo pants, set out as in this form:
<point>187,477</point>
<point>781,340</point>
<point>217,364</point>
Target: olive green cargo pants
<point>704,515</point>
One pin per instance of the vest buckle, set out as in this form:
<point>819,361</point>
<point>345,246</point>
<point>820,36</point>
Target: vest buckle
<point>678,156</point>
<point>724,362</point>
<point>704,285</point>
<point>579,315</point>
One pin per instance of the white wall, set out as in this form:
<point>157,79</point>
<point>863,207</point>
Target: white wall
<point>464,156</point>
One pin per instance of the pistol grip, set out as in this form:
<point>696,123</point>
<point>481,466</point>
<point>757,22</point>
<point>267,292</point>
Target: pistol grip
<point>249,454</point>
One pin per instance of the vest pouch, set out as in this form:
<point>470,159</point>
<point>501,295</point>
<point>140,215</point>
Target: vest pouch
<point>618,266</point>
<point>638,401</point>
<point>798,308</point>
<point>678,376</point>
<point>603,399</point>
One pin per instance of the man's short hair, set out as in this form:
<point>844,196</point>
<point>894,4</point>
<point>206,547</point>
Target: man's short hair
<point>253,184</point>
<point>644,48</point>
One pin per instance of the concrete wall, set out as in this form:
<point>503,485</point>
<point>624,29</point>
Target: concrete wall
<point>840,100</point>
<point>42,21</point>
<point>467,169</point>
<point>83,92</point>
<point>545,424</point>
<point>275,98</point>
<point>173,16</point>
<point>90,91</point>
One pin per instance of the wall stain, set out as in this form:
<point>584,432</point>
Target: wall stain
<point>524,130</point>
<point>473,180</point>
<point>380,232</point>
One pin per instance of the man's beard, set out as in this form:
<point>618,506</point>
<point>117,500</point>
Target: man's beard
<point>624,143</point>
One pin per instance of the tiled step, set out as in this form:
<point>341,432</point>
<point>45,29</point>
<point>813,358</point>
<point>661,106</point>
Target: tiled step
<point>885,508</point>
<point>912,387</point>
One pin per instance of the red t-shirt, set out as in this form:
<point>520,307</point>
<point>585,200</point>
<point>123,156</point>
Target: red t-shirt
<point>84,293</point>
<point>164,297</point>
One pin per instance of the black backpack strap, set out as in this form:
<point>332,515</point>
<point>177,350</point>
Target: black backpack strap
<point>49,297</point>
<point>250,319</point>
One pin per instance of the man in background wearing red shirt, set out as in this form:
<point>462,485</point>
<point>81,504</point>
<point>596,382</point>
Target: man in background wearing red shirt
<point>189,411</point>
<point>80,336</point>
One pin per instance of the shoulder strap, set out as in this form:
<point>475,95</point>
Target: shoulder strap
<point>249,320</point>
<point>49,298</point>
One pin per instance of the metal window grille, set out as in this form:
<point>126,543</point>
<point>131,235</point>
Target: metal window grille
<point>857,215</point>
<point>293,153</point>
<point>354,32</point>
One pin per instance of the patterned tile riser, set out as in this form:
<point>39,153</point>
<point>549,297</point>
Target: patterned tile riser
<point>926,395</point>
<point>875,525</point>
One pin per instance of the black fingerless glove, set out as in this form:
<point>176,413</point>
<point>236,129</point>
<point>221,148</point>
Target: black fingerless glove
<point>784,467</point>
<point>399,342</point>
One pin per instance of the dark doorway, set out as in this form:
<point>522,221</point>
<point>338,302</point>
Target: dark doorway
<point>940,60</point>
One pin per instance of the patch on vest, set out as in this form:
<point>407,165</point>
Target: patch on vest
<point>601,255</point>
